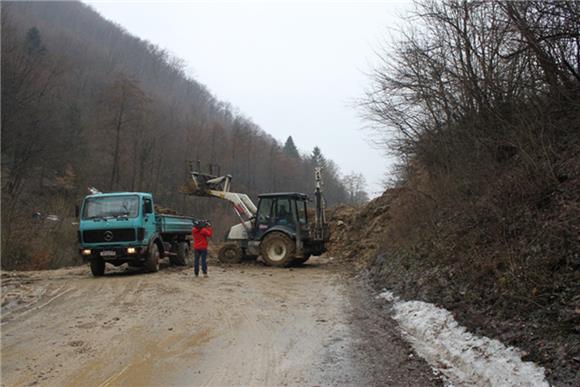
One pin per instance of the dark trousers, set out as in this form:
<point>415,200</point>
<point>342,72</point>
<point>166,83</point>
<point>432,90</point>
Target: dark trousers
<point>203,255</point>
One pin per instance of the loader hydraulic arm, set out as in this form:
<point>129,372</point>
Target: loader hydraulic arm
<point>206,185</point>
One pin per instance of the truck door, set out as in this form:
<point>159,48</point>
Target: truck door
<point>148,218</point>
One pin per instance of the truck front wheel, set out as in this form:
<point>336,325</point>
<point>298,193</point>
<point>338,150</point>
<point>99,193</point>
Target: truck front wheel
<point>278,249</point>
<point>97,266</point>
<point>152,264</point>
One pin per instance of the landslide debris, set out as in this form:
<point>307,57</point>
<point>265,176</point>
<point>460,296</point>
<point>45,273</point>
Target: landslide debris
<point>523,291</point>
<point>356,232</point>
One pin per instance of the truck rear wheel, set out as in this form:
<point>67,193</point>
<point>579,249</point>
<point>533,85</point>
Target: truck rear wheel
<point>152,264</point>
<point>230,253</point>
<point>278,249</point>
<point>182,257</point>
<point>97,266</point>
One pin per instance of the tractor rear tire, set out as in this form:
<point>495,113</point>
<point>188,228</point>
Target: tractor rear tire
<point>152,263</point>
<point>278,249</point>
<point>182,257</point>
<point>98,267</point>
<point>230,253</point>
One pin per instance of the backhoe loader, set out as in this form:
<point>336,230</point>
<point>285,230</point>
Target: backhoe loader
<point>277,228</point>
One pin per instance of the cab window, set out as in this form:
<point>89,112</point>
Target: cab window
<point>302,214</point>
<point>265,212</point>
<point>147,206</point>
<point>284,210</point>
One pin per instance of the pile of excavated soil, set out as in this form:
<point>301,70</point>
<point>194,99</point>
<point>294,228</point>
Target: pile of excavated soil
<point>356,233</point>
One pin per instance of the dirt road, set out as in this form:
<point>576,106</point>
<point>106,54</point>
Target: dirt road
<point>245,325</point>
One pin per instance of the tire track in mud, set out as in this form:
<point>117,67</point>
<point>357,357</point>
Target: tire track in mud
<point>33,306</point>
<point>239,333</point>
<point>244,325</point>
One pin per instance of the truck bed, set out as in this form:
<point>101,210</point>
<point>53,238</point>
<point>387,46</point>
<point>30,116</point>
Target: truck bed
<point>174,224</point>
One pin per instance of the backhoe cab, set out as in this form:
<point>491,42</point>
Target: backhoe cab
<point>278,229</point>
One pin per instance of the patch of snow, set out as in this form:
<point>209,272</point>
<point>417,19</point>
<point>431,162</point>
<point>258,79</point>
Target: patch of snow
<point>463,358</point>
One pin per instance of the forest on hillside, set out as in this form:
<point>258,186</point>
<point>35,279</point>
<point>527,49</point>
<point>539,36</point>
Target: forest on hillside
<point>480,100</point>
<point>86,104</point>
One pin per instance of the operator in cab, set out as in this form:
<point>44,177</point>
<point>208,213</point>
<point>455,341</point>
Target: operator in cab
<point>283,215</point>
<point>201,231</point>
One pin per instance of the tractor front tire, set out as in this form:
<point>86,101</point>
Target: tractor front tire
<point>230,253</point>
<point>152,263</point>
<point>98,267</point>
<point>278,249</point>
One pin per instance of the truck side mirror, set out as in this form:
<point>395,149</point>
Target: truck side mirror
<point>77,211</point>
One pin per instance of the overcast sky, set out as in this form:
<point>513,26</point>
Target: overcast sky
<point>295,68</point>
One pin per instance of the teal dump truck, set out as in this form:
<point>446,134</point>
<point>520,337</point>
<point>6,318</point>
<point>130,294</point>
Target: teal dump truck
<point>123,227</point>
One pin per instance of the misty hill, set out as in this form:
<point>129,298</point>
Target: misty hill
<point>84,103</point>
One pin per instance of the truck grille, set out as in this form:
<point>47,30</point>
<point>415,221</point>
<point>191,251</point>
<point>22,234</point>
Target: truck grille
<point>114,235</point>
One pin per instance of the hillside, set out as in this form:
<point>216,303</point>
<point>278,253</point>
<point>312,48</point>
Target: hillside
<point>482,106</point>
<point>84,103</point>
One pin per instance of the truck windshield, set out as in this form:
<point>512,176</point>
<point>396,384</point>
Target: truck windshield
<point>111,206</point>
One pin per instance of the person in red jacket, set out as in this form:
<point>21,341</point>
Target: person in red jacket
<point>201,231</point>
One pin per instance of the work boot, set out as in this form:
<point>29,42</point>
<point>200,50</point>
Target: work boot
<point>204,275</point>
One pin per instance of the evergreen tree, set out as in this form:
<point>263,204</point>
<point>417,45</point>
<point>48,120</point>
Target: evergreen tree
<point>290,148</point>
<point>33,42</point>
<point>317,158</point>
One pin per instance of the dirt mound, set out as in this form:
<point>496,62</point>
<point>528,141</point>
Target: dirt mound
<point>357,232</point>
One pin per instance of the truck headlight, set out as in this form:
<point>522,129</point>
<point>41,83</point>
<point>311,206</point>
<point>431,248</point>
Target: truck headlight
<point>86,251</point>
<point>130,250</point>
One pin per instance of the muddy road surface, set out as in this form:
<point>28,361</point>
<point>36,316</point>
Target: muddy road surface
<point>245,325</point>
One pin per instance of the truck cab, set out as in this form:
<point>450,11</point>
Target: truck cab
<point>123,227</point>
